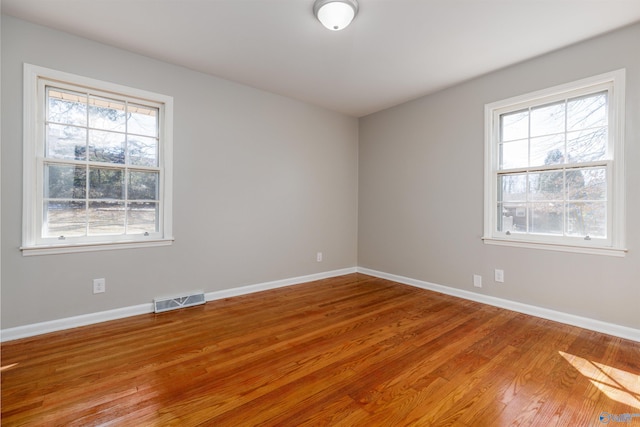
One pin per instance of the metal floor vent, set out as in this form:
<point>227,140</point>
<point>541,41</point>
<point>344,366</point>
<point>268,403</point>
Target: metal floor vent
<point>166,304</point>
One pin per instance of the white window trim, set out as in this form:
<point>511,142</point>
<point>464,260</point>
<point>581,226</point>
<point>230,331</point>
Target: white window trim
<point>616,243</point>
<point>32,129</point>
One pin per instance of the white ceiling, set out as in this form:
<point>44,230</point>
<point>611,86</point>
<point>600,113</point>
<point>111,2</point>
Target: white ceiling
<point>394,50</point>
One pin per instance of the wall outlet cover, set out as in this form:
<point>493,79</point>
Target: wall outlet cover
<point>477,280</point>
<point>99,286</point>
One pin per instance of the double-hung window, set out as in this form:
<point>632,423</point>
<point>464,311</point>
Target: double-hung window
<point>97,164</point>
<point>554,168</point>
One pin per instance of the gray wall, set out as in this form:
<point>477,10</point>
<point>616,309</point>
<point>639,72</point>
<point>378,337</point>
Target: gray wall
<point>421,191</point>
<point>261,183</point>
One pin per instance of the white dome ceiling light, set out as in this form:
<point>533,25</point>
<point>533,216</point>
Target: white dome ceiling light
<point>335,15</point>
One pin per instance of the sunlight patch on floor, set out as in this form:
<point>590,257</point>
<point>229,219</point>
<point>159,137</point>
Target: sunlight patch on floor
<point>616,384</point>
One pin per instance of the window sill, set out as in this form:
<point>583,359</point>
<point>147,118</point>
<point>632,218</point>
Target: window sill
<point>91,247</point>
<point>616,252</point>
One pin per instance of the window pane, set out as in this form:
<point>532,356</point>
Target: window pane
<point>587,146</point>
<point>587,112</point>
<point>548,119</point>
<point>587,184</point>
<point>587,219</point>
<point>106,183</point>
<point>66,142</point>
<point>514,126</point>
<point>143,151</point>
<point>512,188</point>
<point>143,185</point>
<point>514,154</point>
<point>513,218</point>
<point>107,114</point>
<point>64,181</point>
<point>106,147</point>
<point>546,186</point>
<point>546,218</point>
<point>64,219</point>
<point>106,218</point>
<point>66,107</point>
<point>547,150</point>
<point>142,120</point>
<point>142,217</point>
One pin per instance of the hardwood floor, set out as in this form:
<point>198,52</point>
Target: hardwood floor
<point>348,351</point>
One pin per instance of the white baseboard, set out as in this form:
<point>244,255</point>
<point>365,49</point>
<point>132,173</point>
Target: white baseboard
<point>545,313</point>
<point>26,331</point>
<point>234,292</point>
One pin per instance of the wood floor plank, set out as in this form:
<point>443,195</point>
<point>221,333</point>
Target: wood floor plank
<point>348,351</point>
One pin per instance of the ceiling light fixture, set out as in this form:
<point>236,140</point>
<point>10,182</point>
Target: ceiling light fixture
<point>336,15</point>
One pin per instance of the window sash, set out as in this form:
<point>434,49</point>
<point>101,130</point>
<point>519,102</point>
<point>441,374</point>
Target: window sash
<point>586,239</point>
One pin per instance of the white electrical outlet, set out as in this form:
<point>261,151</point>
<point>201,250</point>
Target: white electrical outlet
<point>477,280</point>
<point>499,276</point>
<point>99,286</point>
<point>319,257</point>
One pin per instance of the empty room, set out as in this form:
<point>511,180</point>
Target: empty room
<point>320,213</point>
